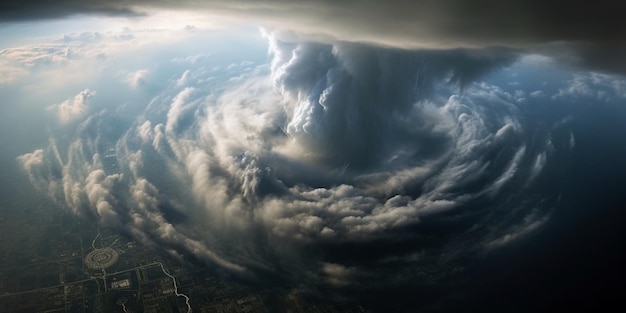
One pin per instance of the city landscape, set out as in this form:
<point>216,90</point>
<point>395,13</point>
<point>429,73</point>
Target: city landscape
<point>60,263</point>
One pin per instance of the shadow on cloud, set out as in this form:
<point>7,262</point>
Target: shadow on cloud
<point>331,166</point>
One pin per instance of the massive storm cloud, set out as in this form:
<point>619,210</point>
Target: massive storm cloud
<point>329,162</point>
<point>578,34</point>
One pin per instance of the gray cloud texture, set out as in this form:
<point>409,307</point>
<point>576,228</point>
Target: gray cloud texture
<point>579,34</point>
<point>327,145</point>
<point>422,22</point>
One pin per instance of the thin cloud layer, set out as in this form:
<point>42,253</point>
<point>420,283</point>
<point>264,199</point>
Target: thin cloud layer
<point>327,145</point>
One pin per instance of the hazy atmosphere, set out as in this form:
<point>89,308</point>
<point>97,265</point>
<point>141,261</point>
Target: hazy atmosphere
<point>315,156</point>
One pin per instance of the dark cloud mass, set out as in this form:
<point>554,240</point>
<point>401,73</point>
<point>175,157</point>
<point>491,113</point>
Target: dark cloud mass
<point>32,10</point>
<point>577,33</point>
<point>454,22</point>
<point>334,165</point>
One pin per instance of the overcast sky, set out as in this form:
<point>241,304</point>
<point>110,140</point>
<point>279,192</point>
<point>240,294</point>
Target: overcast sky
<point>577,33</point>
<point>449,22</point>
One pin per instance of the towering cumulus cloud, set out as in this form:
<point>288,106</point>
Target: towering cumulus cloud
<point>357,106</point>
<point>393,155</point>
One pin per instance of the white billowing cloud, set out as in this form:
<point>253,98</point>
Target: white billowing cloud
<point>578,87</point>
<point>83,186</point>
<point>180,104</point>
<point>345,112</point>
<point>35,55</point>
<point>145,131</point>
<point>74,108</point>
<point>99,188</point>
<point>33,163</point>
<point>75,47</point>
<point>249,148</point>
<point>328,144</point>
<point>138,78</point>
<point>89,191</point>
<point>127,56</point>
<point>599,87</point>
<point>148,218</point>
<point>184,79</point>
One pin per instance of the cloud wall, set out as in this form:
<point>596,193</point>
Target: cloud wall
<point>328,145</point>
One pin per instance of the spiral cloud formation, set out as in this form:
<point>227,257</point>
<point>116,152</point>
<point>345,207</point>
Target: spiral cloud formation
<point>329,162</point>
